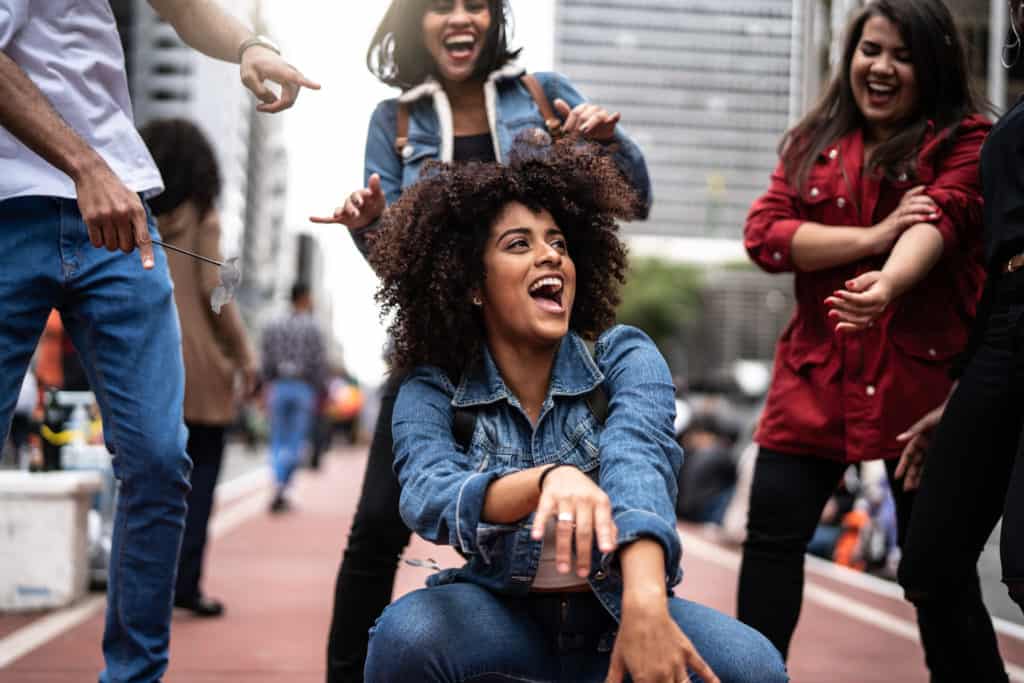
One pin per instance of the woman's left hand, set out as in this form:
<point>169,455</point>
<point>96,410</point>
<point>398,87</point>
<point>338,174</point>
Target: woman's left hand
<point>592,121</point>
<point>864,299</point>
<point>652,648</point>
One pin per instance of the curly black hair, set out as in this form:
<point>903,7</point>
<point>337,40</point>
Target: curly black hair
<point>187,163</point>
<point>429,249</point>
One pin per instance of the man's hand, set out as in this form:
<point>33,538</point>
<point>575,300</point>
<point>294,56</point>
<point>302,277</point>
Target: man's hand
<point>360,209</point>
<point>260,64</point>
<point>917,438</point>
<point>113,214</point>
<point>651,648</point>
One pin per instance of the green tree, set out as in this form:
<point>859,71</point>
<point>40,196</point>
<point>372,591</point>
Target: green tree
<point>662,298</point>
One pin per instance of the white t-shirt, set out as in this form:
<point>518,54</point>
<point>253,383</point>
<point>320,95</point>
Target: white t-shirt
<point>72,52</point>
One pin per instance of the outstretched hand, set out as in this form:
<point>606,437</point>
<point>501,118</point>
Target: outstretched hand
<point>360,209</point>
<point>260,64</point>
<point>864,299</point>
<point>593,122</point>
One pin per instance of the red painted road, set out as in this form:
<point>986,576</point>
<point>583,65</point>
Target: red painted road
<point>276,576</point>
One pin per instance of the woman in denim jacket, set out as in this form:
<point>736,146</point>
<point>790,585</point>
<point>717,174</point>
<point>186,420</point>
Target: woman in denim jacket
<point>463,99</point>
<point>513,267</point>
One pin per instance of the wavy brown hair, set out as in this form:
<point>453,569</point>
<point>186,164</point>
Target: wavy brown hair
<point>429,249</point>
<point>945,92</point>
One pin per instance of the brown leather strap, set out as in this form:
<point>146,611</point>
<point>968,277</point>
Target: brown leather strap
<point>402,129</point>
<point>552,121</point>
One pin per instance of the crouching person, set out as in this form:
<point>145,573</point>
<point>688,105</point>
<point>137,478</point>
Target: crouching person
<point>549,466</point>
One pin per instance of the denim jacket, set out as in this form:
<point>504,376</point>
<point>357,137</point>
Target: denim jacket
<point>510,111</point>
<point>633,457</point>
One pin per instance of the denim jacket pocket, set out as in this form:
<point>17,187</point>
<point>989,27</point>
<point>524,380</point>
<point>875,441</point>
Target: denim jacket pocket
<point>414,154</point>
<point>581,445</point>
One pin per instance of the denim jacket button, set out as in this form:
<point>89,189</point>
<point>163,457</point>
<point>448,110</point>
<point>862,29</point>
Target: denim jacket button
<point>407,151</point>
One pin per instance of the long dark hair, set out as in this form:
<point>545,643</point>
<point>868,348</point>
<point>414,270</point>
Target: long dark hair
<point>397,56</point>
<point>186,161</point>
<point>945,92</point>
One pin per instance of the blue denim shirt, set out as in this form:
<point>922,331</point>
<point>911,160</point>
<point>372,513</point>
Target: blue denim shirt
<point>510,111</point>
<point>633,457</point>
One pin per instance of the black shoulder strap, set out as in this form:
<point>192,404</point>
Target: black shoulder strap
<point>464,423</point>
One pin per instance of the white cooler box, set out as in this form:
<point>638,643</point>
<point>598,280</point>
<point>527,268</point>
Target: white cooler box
<point>44,561</point>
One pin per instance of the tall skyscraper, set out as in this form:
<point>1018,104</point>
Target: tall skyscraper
<point>706,87</point>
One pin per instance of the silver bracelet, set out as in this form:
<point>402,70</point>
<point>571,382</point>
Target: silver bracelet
<point>260,40</point>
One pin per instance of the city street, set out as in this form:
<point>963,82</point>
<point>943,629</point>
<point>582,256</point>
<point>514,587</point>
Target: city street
<point>276,576</point>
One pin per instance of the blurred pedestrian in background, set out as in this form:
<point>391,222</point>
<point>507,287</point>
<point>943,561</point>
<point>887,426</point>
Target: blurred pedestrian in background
<point>463,99</point>
<point>974,470</point>
<point>295,365</point>
<point>216,349</point>
<point>876,206</point>
<point>72,217</point>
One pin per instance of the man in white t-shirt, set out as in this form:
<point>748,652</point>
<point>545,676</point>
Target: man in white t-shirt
<point>73,175</point>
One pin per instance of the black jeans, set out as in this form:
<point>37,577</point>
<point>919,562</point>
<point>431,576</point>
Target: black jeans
<point>206,448</point>
<point>376,542</point>
<point>973,473</point>
<point>786,500</point>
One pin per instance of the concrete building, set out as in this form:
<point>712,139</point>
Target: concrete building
<point>705,87</point>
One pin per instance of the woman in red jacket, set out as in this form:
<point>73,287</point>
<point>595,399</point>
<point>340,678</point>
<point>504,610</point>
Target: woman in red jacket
<point>877,191</point>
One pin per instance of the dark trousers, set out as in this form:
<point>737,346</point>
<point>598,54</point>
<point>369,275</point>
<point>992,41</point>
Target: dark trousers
<point>376,542</point>
<point>206,448</point>
<point>786,500</point>
<point>973,473</point>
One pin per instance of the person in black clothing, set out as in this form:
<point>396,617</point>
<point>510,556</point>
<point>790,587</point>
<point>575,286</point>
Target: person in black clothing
<point>964,456</point>
<point>463,100</point>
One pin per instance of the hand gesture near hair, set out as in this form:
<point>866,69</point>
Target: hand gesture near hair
<point>593,122</point>
<point>360,209</point>
<point>578,504</point>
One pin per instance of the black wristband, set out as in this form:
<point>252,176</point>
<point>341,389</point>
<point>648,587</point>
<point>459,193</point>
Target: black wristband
<point>545,473</point>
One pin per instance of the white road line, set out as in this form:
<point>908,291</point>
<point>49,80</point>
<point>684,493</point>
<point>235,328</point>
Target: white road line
<point>43,630</point>
<point>729,559</point>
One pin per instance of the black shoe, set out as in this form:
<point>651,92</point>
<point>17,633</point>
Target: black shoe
<point>279,504</point>
<point>201,606</point>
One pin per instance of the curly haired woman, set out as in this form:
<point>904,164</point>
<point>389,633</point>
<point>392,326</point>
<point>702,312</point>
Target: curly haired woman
<point>496,275</point>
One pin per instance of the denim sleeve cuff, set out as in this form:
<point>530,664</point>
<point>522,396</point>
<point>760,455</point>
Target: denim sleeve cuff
<point>469,505</point>
<point>636,524</point>
<point>363,236</point>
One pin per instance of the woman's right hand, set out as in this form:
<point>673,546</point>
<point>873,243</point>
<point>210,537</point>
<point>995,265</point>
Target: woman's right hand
<point>915,207</point>
<point>577,503</point>
<point>360,209</point>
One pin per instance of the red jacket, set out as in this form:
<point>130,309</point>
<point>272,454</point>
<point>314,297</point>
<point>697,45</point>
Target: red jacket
<point>847,396</point>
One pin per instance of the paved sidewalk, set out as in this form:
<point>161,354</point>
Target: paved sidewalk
<point>276,576</point>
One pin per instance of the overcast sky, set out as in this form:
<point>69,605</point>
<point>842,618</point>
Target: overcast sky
<point>326,133</point>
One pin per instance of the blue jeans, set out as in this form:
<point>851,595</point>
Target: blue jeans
<point>124,324</point>
<point>463,632</point>
<point>291,420</point>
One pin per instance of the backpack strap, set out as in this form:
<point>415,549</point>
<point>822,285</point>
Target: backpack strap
<point>551,120</point>
<point>402,128</point>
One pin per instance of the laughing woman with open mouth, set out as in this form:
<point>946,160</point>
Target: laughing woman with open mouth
<point>876,207</point>
<point>564,511</point>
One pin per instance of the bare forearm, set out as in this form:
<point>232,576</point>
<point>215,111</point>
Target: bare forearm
<point>817,246</point>
<point>29,116</point>
<point>643,573</point>
<point>203,25</point>
<point>513,497</point>
<point>913,256</point>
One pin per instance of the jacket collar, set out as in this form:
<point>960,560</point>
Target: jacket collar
<point>431,85</point>
<point>575,373</point>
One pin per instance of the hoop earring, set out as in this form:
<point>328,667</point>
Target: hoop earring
<point>1015,45</point>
